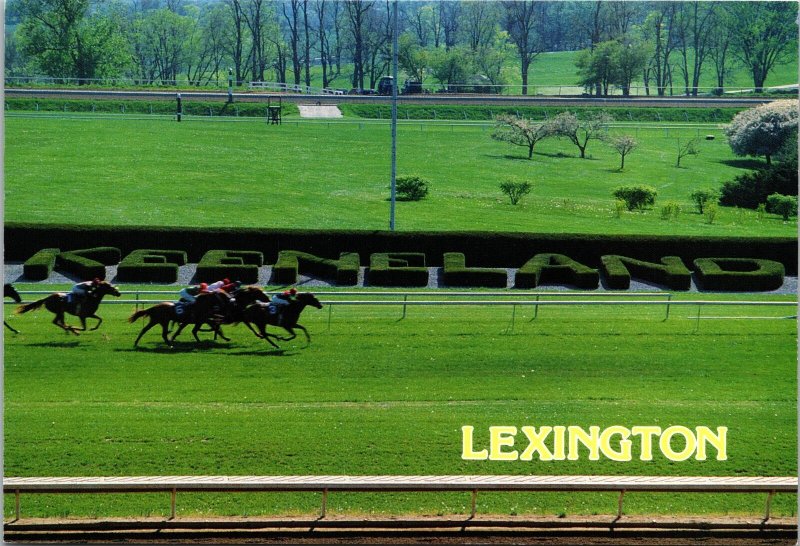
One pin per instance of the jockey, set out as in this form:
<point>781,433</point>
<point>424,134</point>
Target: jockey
<point>190,293</point>
<point>214,286</point>
<point>82,290</point>
<point>231,287</point>
<point>279,301</point>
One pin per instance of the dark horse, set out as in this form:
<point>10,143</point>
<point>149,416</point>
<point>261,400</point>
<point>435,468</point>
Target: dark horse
<point>11,292</point>
<point>60,304</point>
<point>261,315</point>
<point>214,309</point>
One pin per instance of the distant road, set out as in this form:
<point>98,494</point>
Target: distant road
<point>669,102</point>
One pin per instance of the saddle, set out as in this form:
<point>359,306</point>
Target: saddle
<point>183,307</point>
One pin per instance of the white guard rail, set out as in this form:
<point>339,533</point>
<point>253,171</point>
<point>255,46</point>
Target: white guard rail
<point>472,484</point>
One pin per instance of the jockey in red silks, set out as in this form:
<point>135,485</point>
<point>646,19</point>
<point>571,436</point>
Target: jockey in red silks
<point>190,293</point>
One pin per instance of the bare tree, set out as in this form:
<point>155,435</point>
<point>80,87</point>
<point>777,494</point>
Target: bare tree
<point>356,12</point>
<point>522,21</point>
<point>449,16</point>
<point>291,15</point>
<point>478,23</point>
<point>580,131</point>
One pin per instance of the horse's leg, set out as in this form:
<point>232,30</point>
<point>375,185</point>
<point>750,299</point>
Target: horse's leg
<point>7,325</point>
<point>262,328</point>
<point>218,330</point>
<point>165,333</point>
<point>59,321</point>
<point>195,330</point>
<point>252,329</point>
<point>99,321</point>
<point>291,331</point>
<point>181,326</point>
<point>145,329</point>
<point>308,337</point>
<point>83,323</point>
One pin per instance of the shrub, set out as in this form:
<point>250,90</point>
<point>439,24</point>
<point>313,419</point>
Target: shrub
<point>241,265</point>
<point>711,213</point>
<point>556,269</point>
<point>456,273</point>
<point>672,273</point>
<point>739,274</point>
<point>701,197</point>
<point>670,209</point>
<point>411,188</point>
<point>290,262</point>
<point>39,266</point>
<point>784,205</point>
<point>636,197</point>
<point>146,265</point>
<point>398,269</point>
<point>751,189</point>
<point>515,190</point>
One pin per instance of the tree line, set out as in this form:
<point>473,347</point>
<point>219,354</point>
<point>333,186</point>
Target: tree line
<point>347,43</point>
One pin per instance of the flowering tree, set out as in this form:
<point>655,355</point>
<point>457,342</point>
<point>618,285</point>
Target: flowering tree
<point>762,130</point>
<point>580,131</point>
<point>520,132</point>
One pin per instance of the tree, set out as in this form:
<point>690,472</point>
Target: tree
<point>689,147</point>
<point>411,58</point>
<point>515,190</point>
<point>763,35</point>
<point>520,132</point>
<point>623,145</point>
<point>578,131</point>
<point>356,12</point>
<point>451,67</point>
<point>65,40</point>
<point>762,130</point>
<point>522,22</point>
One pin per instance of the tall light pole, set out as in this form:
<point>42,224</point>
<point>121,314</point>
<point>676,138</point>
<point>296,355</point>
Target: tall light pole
<point>394,117</point>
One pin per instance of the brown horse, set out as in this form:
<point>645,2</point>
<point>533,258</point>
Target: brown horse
<point>60,304</point>
<point>213,308</point>
<point>262,314</point>
<point>11,292</point>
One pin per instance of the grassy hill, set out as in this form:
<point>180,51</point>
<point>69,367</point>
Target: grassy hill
<point>118,170</point>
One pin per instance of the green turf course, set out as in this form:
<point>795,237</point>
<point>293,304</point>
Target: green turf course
<point>375,394</point>
<point>336,175</point>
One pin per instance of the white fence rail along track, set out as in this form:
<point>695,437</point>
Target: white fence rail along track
<point>513,299</point>
<point>326,484</point>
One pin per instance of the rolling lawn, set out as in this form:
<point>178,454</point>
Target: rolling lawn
<point>126,171</point>
<point>375,394</point>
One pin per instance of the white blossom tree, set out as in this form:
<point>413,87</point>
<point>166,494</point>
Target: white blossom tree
<point>762,130</point>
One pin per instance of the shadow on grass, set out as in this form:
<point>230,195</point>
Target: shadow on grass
<point>512,157</point>
<point>65,343</point>
<point>751,164</point>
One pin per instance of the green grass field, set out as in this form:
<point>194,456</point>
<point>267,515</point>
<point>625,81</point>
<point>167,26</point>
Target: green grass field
<point>336,175</point>
<point>375,394</point>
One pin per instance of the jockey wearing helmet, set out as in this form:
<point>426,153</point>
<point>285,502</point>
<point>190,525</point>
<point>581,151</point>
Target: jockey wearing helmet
<point>214,286</point>
<point>82,290</point>
<point>190,293</point>
<point>282,300</point>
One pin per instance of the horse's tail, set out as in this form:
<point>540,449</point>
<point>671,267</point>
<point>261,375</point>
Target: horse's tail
<point>30,306</point>
<point>139,314</point>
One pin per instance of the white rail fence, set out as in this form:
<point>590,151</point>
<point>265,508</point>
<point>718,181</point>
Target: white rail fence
<point>533,300</point>
<point>326,484</point>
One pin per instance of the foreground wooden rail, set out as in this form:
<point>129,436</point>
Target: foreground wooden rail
<point>472,484</point>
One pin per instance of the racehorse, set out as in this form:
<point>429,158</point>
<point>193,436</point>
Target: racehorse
<point>261,315</point>
<point>60,304</point>
<point>11,292</point>
<point>213,308</point>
